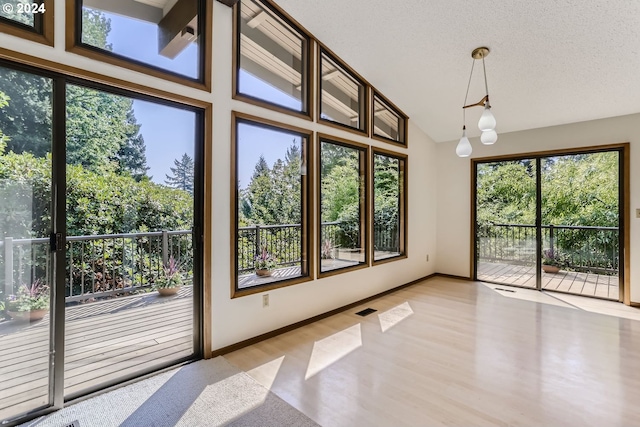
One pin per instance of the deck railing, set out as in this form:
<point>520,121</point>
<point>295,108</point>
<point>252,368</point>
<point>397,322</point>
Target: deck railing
<point>99,265</point>
<point>580,248</point>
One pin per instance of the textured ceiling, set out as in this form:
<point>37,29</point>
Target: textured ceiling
<point>551,61</point>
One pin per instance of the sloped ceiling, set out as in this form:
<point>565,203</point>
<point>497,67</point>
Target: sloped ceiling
<point>552,61</point>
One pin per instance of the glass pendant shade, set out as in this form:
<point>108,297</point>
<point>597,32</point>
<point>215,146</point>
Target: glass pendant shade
<point>489,137</point>
<point>464,146</point>
<point>487,121</point>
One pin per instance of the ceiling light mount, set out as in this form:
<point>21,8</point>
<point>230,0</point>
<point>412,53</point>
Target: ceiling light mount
<point>487,123</point>
<point>480,52</point>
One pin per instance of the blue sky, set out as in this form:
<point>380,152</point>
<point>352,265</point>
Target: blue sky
<point>169,132</point>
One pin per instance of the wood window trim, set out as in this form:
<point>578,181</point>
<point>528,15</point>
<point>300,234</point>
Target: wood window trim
<point>308,247</point>
<point>625,179</point>
<point>404,206</point>
<point>365,131</point>
<point>396,110</point>
<point>46,36</point>
<point>72,36</point>
<point>364,220</point>
<point>235,64</point>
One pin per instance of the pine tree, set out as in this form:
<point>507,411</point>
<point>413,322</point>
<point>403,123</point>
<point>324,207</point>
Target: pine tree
<point>182,174</point>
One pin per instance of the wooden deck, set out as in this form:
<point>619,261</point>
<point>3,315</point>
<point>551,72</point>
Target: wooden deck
<point>105,341</point>
<point>598,285</point>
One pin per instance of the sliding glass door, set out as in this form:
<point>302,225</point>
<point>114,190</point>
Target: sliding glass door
<point>27,273</point>
<point>552,222</point>
<point>100,237</point>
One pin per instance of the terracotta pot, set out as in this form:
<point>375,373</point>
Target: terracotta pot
<point>165,292</point>
<point>263,273</point>
<point>550,268</point>
<point>30,316</point>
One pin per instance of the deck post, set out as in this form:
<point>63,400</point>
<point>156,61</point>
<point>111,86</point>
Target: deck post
<point>258,245</point>
<point>165,247</point>
<point>551,239</point>
<point>8,266</point>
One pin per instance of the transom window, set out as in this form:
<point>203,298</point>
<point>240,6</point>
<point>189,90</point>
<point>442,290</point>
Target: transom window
<point>272,58</point>
<point>343,95</point>
<point>388,122</point>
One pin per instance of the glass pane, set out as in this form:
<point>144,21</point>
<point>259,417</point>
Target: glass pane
<point>130,180</point>
<point>387,123</point>
<point>26,275</point>
<point>271,237</point>
<point>506,218</point>
<point>388,206</point>
<point>150,32</point>
<point>580,224</point>
<point>342,204</point>
<point>22,11</point>
<point>342,95</point>
<point>272,58</point>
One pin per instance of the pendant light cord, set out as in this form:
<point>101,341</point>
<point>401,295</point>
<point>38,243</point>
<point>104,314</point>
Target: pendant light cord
<point>486,87</point>
<point>464,110</point>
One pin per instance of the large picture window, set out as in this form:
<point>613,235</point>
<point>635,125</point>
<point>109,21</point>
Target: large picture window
<point>343,95</point>
<point>389,205</point>
<point>342,189</point>
<point>271,236</point>
<point>271,58</point>
<point>32,20</point>
<point>389,123</point>
<point>165,39</point>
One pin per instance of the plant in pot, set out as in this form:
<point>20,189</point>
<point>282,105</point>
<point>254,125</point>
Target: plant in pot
<point>170,280</point>
<point>265,263</point>
<point>31,302</point>
<point>551,261</point>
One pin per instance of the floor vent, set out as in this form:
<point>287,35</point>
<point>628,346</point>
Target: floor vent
<point>75,423</point>
<point>366,312</point>
<point>506,290</point>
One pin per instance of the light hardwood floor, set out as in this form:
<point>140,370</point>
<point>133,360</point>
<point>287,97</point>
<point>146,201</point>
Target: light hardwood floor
<point>456,353</point>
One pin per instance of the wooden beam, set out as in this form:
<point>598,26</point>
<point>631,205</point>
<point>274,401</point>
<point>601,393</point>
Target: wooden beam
<point>178,28</point>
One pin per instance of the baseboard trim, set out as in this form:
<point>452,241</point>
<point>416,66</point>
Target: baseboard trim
<point>634,304</point>
<point>453,276</point>
<point>284,329</point>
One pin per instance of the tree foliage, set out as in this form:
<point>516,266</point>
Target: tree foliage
<point>182,174</point>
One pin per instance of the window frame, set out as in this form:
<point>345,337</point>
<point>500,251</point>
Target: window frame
<point>41,32</point>
<point>364,107</point>
<point>403,216</point>
<point>74,45</point>
<point>307,198</point>
<point>404,131</point>
<point>364,205</point>
<point>307,61</point>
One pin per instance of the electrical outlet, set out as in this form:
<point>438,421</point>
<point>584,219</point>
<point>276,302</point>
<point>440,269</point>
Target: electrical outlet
<point>427,258</point>
<point>637,213</point>
<point>265,300</point>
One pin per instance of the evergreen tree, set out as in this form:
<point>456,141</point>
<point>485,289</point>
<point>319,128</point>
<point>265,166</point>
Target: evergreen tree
<point>182,174</point>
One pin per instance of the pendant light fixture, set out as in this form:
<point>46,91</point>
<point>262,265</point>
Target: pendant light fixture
<point>487,122</point>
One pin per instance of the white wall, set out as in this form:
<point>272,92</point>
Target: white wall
<point>242,318</point>
<point>454,174</point>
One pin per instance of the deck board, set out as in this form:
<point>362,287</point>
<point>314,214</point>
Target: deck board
<point>599,285</point>
<point>104,341</point>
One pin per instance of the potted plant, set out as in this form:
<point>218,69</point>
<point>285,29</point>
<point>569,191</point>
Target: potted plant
<point>170,280</point>
<point>264,263</point>
<point>30,303</point>
<point>551,261</point>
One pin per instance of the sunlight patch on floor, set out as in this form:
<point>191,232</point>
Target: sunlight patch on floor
<point>392,317</point>
<point>333,348</point>
<point>266,373</point>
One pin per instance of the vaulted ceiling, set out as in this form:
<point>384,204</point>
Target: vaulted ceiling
<point>551,62</point>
